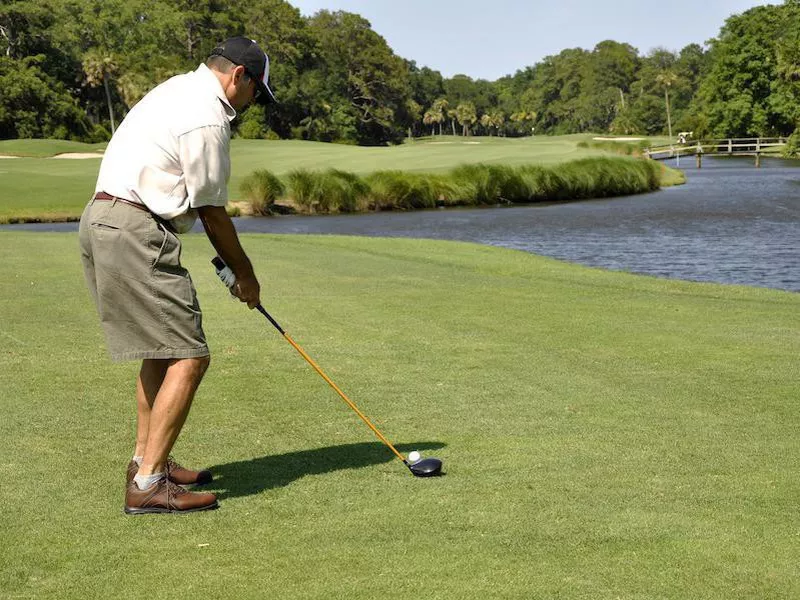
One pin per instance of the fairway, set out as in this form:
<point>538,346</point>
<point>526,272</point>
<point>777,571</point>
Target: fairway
<point>57,189</point>
<point>604,435</point>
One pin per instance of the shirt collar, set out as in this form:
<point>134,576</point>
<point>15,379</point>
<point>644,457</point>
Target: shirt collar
<point>207,78</point>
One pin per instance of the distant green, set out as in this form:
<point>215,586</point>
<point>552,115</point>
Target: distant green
<point>604,435</point>
<point>57,189</point>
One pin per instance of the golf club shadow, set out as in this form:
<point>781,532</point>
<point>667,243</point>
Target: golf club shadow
<point>247,477</point>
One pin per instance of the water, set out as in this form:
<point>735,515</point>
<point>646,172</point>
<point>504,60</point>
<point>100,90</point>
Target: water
<point>731,223</point>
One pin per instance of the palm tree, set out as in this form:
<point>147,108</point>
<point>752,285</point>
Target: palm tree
<point>667,78</point>
<point>486,122</point>
<point>466,116</point>
<point>452,114</point>
<point>498,119</point>
<point>98,68</point>
<point>439,107</point>
<point>430,119</point>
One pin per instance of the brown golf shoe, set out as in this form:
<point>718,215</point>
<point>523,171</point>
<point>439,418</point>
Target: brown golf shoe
<point>166,497</point>
<point>176,473</point>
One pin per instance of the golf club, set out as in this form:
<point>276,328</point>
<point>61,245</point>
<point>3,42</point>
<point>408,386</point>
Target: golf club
<point>427,467</point>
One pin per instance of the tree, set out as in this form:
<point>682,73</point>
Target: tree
<point>467,116</point>
<point>430,118</point>
<point>666,79</point>
<point>360,67</point>
<point>98,68</point>
<point>34,105</point>
<point>486,122</point>
<point>736,97</point>
<point>438,109</point>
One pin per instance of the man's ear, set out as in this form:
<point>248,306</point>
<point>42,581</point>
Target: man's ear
<point>238,73</point>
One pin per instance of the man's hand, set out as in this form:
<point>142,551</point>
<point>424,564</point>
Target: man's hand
<point>222,233</point>
<point>247,289</point>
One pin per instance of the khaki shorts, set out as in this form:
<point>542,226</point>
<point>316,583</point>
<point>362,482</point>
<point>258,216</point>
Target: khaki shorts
<point>146,300</point>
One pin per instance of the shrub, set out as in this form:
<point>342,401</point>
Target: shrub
<point>261,188</point>
<point>301,186</point>
<point>329,191</point>
<point>792,148</point>
<point>342,191</point>
<point>476,184</point>
<point>398,190</point>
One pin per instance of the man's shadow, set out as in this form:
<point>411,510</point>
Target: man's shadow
<point>246,477</point>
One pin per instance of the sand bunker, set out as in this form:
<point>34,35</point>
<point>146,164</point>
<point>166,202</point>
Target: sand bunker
<point>78,155</point>
<point>619,139</point>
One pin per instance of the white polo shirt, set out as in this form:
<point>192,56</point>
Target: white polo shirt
<point>172,150</point>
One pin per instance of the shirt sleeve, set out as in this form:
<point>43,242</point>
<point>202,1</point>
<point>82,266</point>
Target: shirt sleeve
<point>205,158</point>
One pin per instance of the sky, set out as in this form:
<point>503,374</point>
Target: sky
<point>490,39</point>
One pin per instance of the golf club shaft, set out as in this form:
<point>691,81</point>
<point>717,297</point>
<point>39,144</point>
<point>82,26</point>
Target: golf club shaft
<point>330,382</point>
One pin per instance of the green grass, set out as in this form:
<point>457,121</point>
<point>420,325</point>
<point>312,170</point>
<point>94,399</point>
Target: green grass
<point>477,184</point>
<point>604,435</point>
<point>45,148</point>
<point>50,189</point>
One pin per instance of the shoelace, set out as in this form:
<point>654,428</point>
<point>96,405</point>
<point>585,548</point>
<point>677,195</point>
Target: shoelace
<point>171,464</point>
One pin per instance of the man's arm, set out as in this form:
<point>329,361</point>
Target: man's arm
<point>222,234</point>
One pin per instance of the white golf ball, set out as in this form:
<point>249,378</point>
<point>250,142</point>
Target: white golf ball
<point>414,456</point>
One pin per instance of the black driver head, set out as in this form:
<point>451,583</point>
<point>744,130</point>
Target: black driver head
<point>427,467</point>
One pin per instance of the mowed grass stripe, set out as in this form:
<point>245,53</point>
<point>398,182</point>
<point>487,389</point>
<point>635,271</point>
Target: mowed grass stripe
<point>604,434</point>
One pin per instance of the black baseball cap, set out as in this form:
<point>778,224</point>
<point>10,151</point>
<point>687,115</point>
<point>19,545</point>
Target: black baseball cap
<point>247,53</point>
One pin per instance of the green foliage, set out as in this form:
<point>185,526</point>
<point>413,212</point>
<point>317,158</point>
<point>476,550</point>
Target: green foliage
<point>302,188</point>
<point>334,190</point>
<point>359,67</point>
<point>328,191</point>
<point>574,180</point>
<point>253,124</point>
<point>339,81</point>
<point>261,188</point>
<point>34,105</point>
<point>630,148</point>
<point>400,190</point>
<point>792,148</point>
<point>751,87</point>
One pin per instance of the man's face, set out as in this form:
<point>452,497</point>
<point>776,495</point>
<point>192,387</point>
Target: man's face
<point>245,90</point>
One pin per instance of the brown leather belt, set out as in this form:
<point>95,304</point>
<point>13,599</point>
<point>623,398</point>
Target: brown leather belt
<point>109,198</point>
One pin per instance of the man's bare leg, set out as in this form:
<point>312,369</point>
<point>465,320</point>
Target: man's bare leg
<point>151,376</point>
<point>165,413</point>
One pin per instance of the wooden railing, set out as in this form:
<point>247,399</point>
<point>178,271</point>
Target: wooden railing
<point>727,147</point>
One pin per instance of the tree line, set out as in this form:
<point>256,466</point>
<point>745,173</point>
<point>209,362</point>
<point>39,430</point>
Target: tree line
<point>71,69</point>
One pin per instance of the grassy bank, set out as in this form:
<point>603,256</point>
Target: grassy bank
<point>604,435</point>
<point>479,184</point>
<point>52,189</point>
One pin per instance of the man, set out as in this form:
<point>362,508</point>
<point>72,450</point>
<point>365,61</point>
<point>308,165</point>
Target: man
<point>168,163</point>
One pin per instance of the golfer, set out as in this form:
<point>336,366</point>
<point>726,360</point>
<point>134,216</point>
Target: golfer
<point>167,164</point>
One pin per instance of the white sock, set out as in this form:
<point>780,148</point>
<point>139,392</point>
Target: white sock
<point>138,460</point>
<point>144,482</point>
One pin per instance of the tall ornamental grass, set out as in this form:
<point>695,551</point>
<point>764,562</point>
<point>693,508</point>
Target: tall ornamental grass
<point>261,189</point>
<point>328,191</point>
<point>479,184</point>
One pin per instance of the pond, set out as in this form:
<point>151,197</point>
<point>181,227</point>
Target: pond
<point>731,223</point>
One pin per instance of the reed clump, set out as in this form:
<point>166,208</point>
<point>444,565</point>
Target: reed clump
<point>333,190</point>
<point>626,148</point>
<point>261,189</point>
<point>327,191</point>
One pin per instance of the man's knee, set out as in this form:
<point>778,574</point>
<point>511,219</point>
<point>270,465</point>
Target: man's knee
<point>205,361</point>
<point>201,364</point>
<point>194,367</point>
